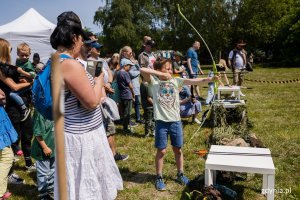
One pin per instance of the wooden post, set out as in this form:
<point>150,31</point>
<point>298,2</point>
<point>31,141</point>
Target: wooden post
<point>58,116</point>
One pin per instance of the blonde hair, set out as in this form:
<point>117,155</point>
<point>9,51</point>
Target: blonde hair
<point>5,51</point>
<point>124,49</point>
<point>115,56</point>
<point>23,48</point>
<point>222,62</point>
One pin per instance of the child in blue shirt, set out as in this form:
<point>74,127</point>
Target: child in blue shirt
<point>126,93</point>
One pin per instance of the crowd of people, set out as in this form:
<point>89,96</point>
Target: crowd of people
<point>162,85</point>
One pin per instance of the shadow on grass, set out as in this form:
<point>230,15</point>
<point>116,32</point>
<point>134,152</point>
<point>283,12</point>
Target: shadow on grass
<point>17,167</point>
<point>135,133</point>
<point>136,177</point>
<point>195,189</point>
<point>24,191</point>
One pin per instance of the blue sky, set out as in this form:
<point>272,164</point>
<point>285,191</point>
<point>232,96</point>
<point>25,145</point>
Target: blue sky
<point>50,9</point>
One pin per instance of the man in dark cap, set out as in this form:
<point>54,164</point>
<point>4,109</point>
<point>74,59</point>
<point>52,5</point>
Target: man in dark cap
<point>177,64</point>
<point>237,61</point>
<point>147,58</point>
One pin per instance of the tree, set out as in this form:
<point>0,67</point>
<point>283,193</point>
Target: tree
<point>266,25</point>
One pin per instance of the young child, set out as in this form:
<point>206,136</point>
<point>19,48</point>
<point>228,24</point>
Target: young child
<point>42,151</point>
<point>221,68</point>
<point>165,90</point>
<point>26,71</point>
<point>189,106</point>
<point>125,92</point>
<point>24,52</point>
<point>147,104</point>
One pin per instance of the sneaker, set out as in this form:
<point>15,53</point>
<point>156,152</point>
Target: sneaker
<point>140,121</point>
<point>232,94</point>
<point>128,131</point>
<point>119,156</point>
<point>6,195</point>
<point>25,114</point>
<point>133,124</point>
<point>153,134</point>
<point>19,152</point>
<point>31,168</point>
<point>197,121</point>
<point>15,179</point>
<point>182,179</point>
<point>159,184</point>
<point>242,95</point>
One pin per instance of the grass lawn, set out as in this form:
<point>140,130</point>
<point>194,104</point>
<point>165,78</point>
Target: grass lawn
<point>274,110</point>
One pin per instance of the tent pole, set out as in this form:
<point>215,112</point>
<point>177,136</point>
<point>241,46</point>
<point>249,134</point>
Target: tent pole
<point>58,117</point>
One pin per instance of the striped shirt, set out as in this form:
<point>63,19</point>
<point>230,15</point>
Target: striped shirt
<point>79,119</point>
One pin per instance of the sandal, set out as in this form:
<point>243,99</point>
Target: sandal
<point>6,195</point>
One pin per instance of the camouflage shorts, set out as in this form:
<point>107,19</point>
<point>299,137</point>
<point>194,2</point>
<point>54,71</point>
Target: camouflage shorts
<point>110,127</point>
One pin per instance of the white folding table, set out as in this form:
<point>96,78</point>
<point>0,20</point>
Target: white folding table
<point>229,89</point>
<point>241,159</point>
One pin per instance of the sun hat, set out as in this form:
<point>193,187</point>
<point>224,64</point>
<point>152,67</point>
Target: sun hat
<point>125,62</point>
<point>241,43</point>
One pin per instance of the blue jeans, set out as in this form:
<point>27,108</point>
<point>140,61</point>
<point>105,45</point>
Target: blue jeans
<point>45,170</point>
<point>163,129</point>
<point>210,93</point>
<point>17,99</point>
<point>189,109</point>
<point>137,108</point>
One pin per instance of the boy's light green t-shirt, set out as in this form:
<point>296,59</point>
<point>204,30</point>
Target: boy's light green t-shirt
<point>165,95</point>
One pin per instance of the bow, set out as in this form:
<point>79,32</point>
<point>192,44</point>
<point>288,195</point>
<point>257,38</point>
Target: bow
<point>213,62</point>
<point>214,68</point>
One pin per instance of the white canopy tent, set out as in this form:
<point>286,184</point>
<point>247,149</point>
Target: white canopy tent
<point>31,28</point>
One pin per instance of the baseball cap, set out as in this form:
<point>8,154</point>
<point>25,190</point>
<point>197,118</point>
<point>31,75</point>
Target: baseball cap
<point>96,45</point>
<point>125,62</point>
<point>150,43</point>
<point>178,53</point>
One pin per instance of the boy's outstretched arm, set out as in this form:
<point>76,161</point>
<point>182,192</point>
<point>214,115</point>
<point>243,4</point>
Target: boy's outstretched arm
<point>146,72</point>
<point>198,81</point>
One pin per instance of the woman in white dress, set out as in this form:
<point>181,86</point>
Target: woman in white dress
<point>91,169</point>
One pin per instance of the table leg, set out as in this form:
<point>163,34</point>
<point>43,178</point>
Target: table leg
<point>265,184</point>
<point>214,174</point>
<point>271,182</point>
<point>208,177</point>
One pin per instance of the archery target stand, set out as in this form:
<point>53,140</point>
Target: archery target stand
<point>229,89</point>
<point>241,159</point>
